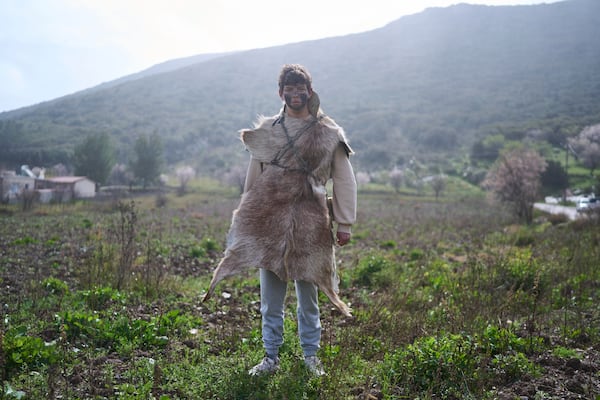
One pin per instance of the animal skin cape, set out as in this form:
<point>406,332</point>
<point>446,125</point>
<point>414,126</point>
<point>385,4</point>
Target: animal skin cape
<point>283,222</point>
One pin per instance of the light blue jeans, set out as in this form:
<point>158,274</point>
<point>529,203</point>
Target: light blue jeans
<point>272,297</point>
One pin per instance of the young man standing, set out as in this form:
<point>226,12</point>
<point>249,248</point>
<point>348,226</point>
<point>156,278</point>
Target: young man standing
<point>301,116</point>
<point>284,223</point>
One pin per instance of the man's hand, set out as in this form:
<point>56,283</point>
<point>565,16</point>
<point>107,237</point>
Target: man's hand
<point>343,238</point>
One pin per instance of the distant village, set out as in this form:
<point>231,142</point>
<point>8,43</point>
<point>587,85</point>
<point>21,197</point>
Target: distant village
<point>31,184</point>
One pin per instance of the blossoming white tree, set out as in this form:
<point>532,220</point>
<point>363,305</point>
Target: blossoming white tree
<point>515,179</point>
<point>587,147</point>
<point>184,175</point>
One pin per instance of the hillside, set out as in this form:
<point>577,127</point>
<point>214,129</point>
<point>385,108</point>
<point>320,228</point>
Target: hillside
<point>429,84</point>
<point>167,66</point>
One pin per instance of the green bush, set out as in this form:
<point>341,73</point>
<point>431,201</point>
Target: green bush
<point>365,274</point>
<point>524,237</point>
<point>101,298</point>
<point>197,252</point>
<point>388,244</point>
<point>508,368</point>
<point>446,365</point>
<point>416,254</point>
<point>457,365</point>
<point>55,286</point>
<point>206,246</point>
<point>24,351</point>
<point>520,271</point>
<point>209,244</point>
<point>496,341</point>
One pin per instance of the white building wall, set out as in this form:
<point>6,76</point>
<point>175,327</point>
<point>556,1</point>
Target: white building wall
<point>85,188</point>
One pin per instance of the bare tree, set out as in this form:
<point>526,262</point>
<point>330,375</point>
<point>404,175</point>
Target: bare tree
<point>236,176</point>
<point>587,147</point>
<point>515,179</point>
<point>184,175</point>
<point>438,184</point>
<point>396,178</point>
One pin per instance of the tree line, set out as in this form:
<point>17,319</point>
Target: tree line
<point>95,158</point>
<point>515,177</point>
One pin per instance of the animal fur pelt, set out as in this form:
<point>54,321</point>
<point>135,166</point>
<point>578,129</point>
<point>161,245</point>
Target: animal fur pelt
<point>283,222</point>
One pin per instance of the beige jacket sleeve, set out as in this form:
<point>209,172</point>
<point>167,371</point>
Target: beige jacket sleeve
<point>344,191</point>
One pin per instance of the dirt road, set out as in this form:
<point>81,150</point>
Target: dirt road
<point>570,212</point>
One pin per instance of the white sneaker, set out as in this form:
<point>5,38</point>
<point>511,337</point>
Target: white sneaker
<point>314,365</point>
<point>266,366</point>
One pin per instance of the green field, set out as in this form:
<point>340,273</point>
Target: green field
<point>452,299</point>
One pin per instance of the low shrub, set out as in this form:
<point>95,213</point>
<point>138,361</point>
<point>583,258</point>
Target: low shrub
<point>22,350</point>
<point>455,366</point>
<point>365,273</point>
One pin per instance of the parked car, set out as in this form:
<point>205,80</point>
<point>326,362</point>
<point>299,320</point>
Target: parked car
<point>587,203</point>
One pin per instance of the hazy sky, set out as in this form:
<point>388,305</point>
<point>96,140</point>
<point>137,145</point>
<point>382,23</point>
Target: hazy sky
<point>50,48</point>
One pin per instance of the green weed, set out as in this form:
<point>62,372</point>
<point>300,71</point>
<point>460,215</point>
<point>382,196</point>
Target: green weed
<point>55,286</point>
<point>22,350</point>
<point>448,302</point>
<point>365,274</point>
<point>455,365</point>
<point>563,352</point>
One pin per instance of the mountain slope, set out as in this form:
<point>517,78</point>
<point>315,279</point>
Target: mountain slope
<point>167,66</point>
<point>427,84</point>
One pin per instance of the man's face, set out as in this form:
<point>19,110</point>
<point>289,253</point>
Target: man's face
<point>295,96</point>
